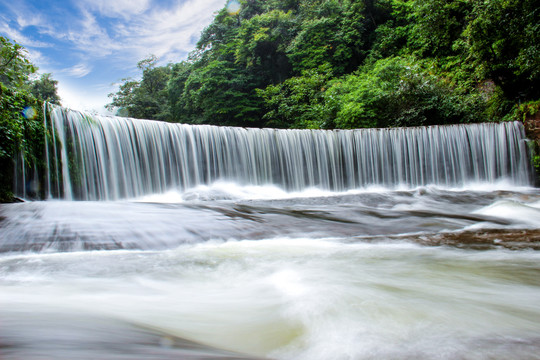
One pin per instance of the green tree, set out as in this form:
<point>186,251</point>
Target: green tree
<point>177,100</point>
<point>218,39</point>
<point>331,32</point>
<point>400,91</point>
<point>148,98</point>
<point>124,98</point>
<point>21,121</point>
<point>217,84</point>
<point>46,89</point>
<point>15,67</point>
<point>220,93</point>
<point>436,26</point>
<point>299,102</point>
<point>503,41</point>
<point>262,42</point>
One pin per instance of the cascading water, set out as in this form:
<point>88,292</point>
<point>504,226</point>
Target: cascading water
<point>107,158</point>
<point>231,243</point>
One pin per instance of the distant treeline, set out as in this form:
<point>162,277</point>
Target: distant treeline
<point>348,64</point>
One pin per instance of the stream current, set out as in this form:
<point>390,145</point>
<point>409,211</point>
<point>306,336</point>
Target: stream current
<point>224,271</point>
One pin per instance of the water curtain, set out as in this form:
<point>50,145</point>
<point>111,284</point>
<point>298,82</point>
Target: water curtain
<point>107,158</point>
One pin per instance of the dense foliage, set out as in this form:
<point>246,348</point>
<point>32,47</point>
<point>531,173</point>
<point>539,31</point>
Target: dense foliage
<point>145,99</point>
<point>21,118</point>
<point>348,64</point>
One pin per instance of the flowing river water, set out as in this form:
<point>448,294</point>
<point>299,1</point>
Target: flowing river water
<point>246,254</point>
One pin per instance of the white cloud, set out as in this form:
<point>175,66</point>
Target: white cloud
<point>78,71</point>
<point>91,38</point>
<point>25,19</point>
<point>117,33</point>
<point>16,35</point>
<point>36,57</point>
<point>118,8</point>
<point>169,33</point>
<point>140,28</point>
<point>20,17</point>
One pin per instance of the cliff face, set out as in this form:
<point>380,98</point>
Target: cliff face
<point>531,121</point>
<point>532,127</point>
<point>529,114</point>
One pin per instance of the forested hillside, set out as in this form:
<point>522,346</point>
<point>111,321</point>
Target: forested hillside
<point>348,64</point>
<point>21,120</point>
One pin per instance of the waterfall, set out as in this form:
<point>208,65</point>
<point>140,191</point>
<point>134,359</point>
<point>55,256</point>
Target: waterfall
<point>107,158</point>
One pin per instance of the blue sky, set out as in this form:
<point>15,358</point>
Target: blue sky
<point>90,45</point>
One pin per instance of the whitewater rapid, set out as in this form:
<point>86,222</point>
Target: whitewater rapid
<point>225,271</point>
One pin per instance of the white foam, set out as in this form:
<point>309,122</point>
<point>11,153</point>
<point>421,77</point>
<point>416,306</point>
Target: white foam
<point>518,212</point>
<point>168,197</point>
<point>296,298</point>
<point>226,190</point>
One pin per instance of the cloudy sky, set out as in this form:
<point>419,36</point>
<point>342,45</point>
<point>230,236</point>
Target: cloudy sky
<point>88,45</point>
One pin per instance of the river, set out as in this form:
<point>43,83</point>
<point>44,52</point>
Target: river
<point>227,269</point>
